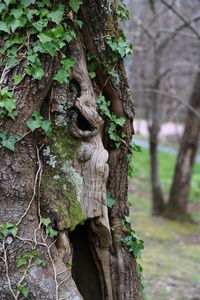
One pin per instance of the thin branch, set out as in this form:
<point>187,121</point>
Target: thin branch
<point>181,17</point>
<point>177,32</point>
<point>170,96</point>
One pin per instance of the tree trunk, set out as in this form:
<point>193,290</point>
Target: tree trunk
<point>59,243</point>
<point>178,199</point>
<point>157,197</point>
<point>154,128</point>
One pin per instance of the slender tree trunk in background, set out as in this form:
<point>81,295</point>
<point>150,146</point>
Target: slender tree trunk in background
<point>60,182</point>
<point>157,197</point>
<point>178,200</point>
<point>154,128</point>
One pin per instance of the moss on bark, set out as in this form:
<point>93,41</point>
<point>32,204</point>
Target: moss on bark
<point>61,184</point>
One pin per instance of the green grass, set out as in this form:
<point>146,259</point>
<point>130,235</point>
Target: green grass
<point>171,256</point>
<point>166,169</point>
<point>171,250</point>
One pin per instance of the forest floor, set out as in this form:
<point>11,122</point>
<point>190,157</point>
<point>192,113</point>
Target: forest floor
<point>171,258</point>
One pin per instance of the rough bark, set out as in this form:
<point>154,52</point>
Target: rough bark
<point>179,193</point>
<point>65,178</point>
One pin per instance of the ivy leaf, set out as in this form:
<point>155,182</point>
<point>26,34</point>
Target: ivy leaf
<point>75,5</point>
<point>17,79</point>
<point>21,261</point>
<point>2,7</point>
<point>78,22</point>
<point>10,104</point>
<point>57,15</point>
<point>46,221</point>
<point>4,231</point>
<point>23,289</point>
<point>40,262</point>
<point>51,48</point>
<point>27,3</point>
<point>16,12</point>
<point>92,75</point>
<point>14,231</point>
<point>57,31</point>
<point>69,35</point>
<point>119,121</point>
<point>39,25</point>
<point>128,219</point>
<point>10,142</point>
<point>30,13</point>
<point>52,232</point>
<point>68,62</point>
<point>4,27</point>
<point>33,124</point>
<point>46,126</point>
<point>44,37</point>
<point>62,76</point>
<point>2,135</point>
<point>38,73</point>
<point>7,2</point>
<point>110,200</point>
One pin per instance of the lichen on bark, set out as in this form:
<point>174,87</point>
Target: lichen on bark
<point>61,185</point>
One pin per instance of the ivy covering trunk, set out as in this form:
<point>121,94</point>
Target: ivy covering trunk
<point>65,138</point>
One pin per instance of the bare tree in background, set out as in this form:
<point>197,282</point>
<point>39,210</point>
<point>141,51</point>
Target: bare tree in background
<point>166,44</point>
<point>178,199</point>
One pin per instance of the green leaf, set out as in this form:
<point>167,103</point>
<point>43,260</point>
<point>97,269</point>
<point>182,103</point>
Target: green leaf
<point>46,126</point>
<point>119,121</point>
<point>35,71</point>
<point>69,35</point>
<point>12,115</point>
<point>38,73</point>
<point>33,124</point>
<point>9,225</point>
<point>44,37</point>
<point>2,7</point>
<point>40,262</point>
<point>30,13</point>
<point>39,25</point>
<point>78,22</point>
<point>62,76</point>
<point>23,290</point>
<point>2,135</point>
<point>135,147</point>
<point>21,261</point>
<point>75,5</point>
<point>10,142</point>
<point>14,231</point>
<point>110,200</point>
<point>57,15</point>
<point>4,231</point>
<point>10,104</point>
<point>4,27</point>
<point>7,2</point>
<point>17,79</point>
<point>46,221</point>
<point>27,3</point>
<point>52,232</point>
<point>128,219</point>
<point>57,31</point>
<point>50,48</point>
<point>16,12</point>
<point>92,75</point>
